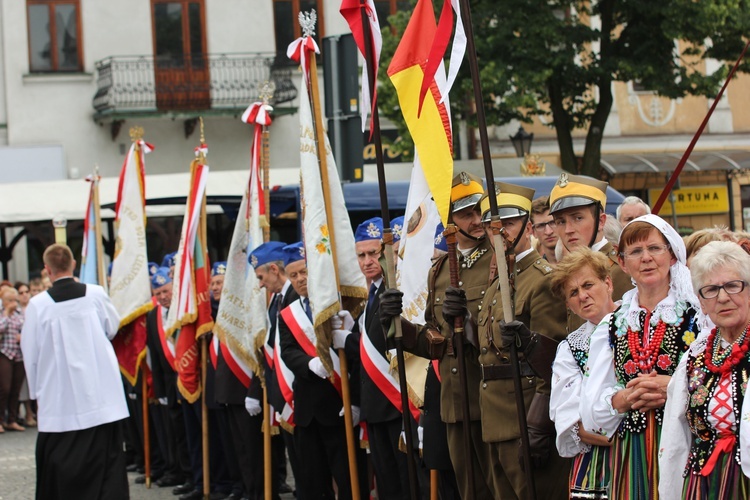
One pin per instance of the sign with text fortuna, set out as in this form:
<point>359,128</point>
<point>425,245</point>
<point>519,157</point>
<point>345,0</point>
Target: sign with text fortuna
<point>694,200</point>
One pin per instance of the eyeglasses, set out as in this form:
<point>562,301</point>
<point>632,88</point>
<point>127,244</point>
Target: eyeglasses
<point>637,253</point>
<point>543,225</point>
<point>731,287</point>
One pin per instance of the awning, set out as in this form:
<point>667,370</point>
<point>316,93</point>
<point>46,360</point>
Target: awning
<point>699,161</point>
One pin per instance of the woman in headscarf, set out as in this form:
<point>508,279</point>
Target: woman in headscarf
<point>633,356</point>
<point>705,445</point>
<point>582,280</point>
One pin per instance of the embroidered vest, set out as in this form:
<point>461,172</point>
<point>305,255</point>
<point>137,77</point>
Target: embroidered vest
<point>677,338</point>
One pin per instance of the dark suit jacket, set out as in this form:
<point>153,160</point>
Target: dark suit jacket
<point>228,388</point>
<point>275,398</point>
<point>376,408</point>
<point>314,398</point>
<point>164,376</point>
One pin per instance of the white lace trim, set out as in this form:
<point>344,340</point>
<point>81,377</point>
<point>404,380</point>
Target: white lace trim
<point>582,447</point>
<point>609,395</point>
<point>580,338</point>
<point>670,310</point>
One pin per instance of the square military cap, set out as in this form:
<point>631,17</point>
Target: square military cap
<point>576,191</point>
<point>512,201</point>
<point>466,191</point>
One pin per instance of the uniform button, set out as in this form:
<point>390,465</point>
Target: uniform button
<point>492,318</point>
<point>463,265</point>
<point>480,307</point>
<point>538,261</point>
<point>494,302</point>
<point>460,283</point>
<point>531,381</point>
<point>484,385</point>
<point>437,299</point>
<point>484,350</point>
<point>454,370</point>
<point>482,292</point>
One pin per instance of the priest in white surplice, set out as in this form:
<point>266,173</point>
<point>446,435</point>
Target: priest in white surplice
<point>72,372</point>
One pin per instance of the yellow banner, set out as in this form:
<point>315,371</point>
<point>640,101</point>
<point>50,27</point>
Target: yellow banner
<point>694,200</point>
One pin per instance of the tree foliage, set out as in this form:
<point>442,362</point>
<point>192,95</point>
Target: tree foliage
<point>559,59</point>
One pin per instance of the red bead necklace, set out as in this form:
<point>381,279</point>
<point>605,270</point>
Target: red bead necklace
<point>645,352</point>
<point>731,356</point>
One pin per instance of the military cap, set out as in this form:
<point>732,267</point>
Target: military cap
<point>440,243</point>
<point>160,278</point>
<point>512,201</point>
<point>466,191</point>
<point>397,228</point>
<point>270,251</point>
<point>293,253</point>
<point>576,191</point>
<point>219,269</point>
<point>152,268</point>
<point>169,260</point>
<point>371,229</point>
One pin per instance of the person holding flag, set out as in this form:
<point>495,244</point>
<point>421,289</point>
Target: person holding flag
<point>435,339</point>
<point>319,433</point>
<point>268,262</point>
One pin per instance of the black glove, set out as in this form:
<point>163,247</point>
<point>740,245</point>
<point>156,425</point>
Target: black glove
<point>454,305</point>
<point>541,432</point>
<point>390,307</point>
<point>509,332</point>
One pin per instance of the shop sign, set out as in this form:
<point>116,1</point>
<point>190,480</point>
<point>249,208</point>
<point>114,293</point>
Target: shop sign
<point>694,200</point>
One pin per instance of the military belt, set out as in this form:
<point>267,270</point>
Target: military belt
<point>505,371</point>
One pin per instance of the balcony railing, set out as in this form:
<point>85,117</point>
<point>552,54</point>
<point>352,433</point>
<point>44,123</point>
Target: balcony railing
<point>132,84</point>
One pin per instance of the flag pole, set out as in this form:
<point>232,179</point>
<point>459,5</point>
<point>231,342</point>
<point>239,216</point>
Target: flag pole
<point>146,430</point>
<point>101,273</point>
<point>388,249</point>
<point>496,226</point>
<point>266,94</point>
<point>204,345</point>
<point>345,394</point>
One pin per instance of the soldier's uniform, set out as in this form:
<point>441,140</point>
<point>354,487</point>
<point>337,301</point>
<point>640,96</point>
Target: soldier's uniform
<point>537,308</point>
<point>577,191</point>
<point>474,269</point>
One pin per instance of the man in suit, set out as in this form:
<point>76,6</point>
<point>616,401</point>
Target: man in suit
<point>268,262</point>
<point>319,433</point>
<point>73,373</point>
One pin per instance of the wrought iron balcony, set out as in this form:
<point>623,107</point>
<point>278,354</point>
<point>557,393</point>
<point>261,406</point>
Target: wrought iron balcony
<point>215,83</point>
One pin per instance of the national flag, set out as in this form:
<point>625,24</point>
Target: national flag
<point>92,264</point>
<point>130,287</point>
<point>321,268</point>
<point>430,129</point>
<point>241,320</point>
<point>352,12</point>
<point>190,311</point>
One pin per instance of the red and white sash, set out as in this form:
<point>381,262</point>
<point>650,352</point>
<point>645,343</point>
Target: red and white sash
<point>304,332</point>
<point>235,364</point>
<point>285,378</point>
<point>378,369</point>
<point>167,344</point>
<point>214,351</point>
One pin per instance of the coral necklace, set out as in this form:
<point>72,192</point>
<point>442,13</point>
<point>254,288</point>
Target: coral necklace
<point>723,362</point>
<point>646,352</point>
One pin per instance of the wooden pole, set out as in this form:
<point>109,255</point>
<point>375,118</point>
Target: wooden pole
<point>345,394</point>
<point>265,162</point>
<point>101,272</point>
<point>434,484</point>
<point>265,165</point>
<point>204,420</point>
<point>146,430</point>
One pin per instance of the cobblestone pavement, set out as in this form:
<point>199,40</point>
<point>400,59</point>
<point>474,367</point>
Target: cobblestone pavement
<point>18,471</point>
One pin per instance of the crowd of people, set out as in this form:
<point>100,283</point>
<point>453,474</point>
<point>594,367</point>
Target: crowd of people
<point>632,350</point>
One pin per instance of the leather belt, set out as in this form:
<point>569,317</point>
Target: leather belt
<point>505,371</point>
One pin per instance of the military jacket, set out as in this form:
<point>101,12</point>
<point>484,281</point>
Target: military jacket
<point>542,312</point>
<point>473,278</point>
<point>620,281</point>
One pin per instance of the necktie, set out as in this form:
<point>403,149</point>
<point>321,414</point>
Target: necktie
<point>371,299</point>
<point>308,311</point>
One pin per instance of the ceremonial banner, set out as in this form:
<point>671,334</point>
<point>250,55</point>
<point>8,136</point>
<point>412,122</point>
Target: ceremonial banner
<point>130,287</point>
<point>241,320</point>
<point>321,285</point>
<point>92,265</point>
<point>190,311</point>
<point>430,129</point>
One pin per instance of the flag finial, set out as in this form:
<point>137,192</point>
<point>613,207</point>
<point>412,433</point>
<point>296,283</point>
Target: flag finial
<point>266,92</point>
<point>203,135</point>
<point>136,133</point>
<point>307,21</point>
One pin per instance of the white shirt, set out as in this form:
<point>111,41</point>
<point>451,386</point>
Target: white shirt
<point>71,367</point>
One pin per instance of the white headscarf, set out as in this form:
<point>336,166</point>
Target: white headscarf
<point>679,274</point>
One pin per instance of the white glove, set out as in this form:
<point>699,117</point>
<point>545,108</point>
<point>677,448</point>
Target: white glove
<point>339,338</point>
<point>132,395</point>
<point>253,407</point>
<point>342,321</point>
<point>355,415</point>
<point>420,433</point>
<point>316,366</point>
<point>163,401</point>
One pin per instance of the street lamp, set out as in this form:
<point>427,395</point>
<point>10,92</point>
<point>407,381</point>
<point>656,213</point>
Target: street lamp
<point>522,142</point>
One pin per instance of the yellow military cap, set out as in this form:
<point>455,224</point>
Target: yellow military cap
<point>512,201</point>
<point>576,191</point>
<point>466,191</point>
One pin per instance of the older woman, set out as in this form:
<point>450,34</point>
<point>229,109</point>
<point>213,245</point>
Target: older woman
<point>706,439</point>
<point>633,356</point>
<point>582,280</point>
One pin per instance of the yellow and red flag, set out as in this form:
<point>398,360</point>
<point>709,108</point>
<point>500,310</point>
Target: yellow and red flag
<point>190,311</point>
<point>130,288</point>
<point>430,129</point>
